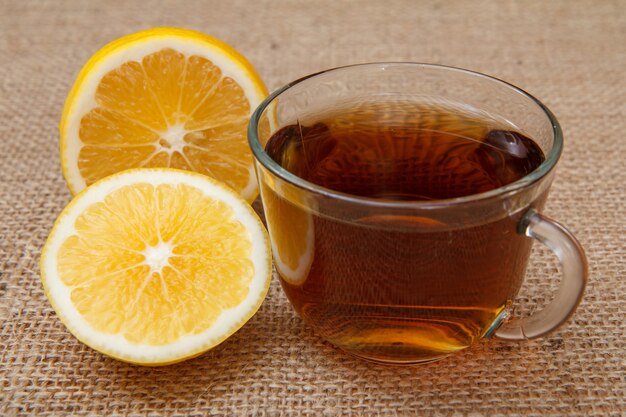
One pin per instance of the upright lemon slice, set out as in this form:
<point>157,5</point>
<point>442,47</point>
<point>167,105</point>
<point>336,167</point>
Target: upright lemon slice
<point>153,266</point>
<point>162,98</point>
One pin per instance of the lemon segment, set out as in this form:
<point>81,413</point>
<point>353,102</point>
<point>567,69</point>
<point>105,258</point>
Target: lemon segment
<point>153,266</point>
<point>165,97</point>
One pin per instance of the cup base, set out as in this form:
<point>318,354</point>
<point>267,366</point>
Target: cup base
<point>394,355</point>
<point>393,362</point>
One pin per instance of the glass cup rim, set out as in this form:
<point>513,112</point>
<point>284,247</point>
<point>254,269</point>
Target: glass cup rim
<point>541,171</point>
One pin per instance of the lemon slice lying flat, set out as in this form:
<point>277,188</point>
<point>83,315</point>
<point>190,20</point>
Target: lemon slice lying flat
<point>154,266</point>
<point>164,97</point>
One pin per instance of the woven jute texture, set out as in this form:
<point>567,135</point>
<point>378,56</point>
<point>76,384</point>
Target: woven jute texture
<point>570,54</point>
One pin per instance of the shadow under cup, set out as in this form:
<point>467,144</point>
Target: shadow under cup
<point>399,281</point>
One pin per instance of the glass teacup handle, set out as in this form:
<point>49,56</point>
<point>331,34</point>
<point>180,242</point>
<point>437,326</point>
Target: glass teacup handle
<point>574,269</point>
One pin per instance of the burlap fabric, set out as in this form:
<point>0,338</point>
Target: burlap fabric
<point>570,54</point>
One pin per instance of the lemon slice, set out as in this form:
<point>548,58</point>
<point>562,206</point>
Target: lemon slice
<point>291,231</point>
<point>154,266</point>
<point>164,97</point>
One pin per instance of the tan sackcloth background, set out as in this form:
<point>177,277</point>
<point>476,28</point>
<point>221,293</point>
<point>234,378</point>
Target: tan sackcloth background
<point>570,54</point>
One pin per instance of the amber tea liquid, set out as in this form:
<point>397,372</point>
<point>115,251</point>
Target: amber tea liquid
<point>395,294</point>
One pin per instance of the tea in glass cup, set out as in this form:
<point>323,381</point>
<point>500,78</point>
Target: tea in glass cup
<point>400,199</point>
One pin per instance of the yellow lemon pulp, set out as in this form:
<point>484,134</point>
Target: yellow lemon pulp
<point>162,98</point>
<point>154,266</point>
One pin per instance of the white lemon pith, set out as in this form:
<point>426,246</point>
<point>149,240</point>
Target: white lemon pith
<point>154,266</point>
<point>162,98</point>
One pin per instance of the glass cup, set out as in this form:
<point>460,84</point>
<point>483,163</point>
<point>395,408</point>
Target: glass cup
<point>397,281</point>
